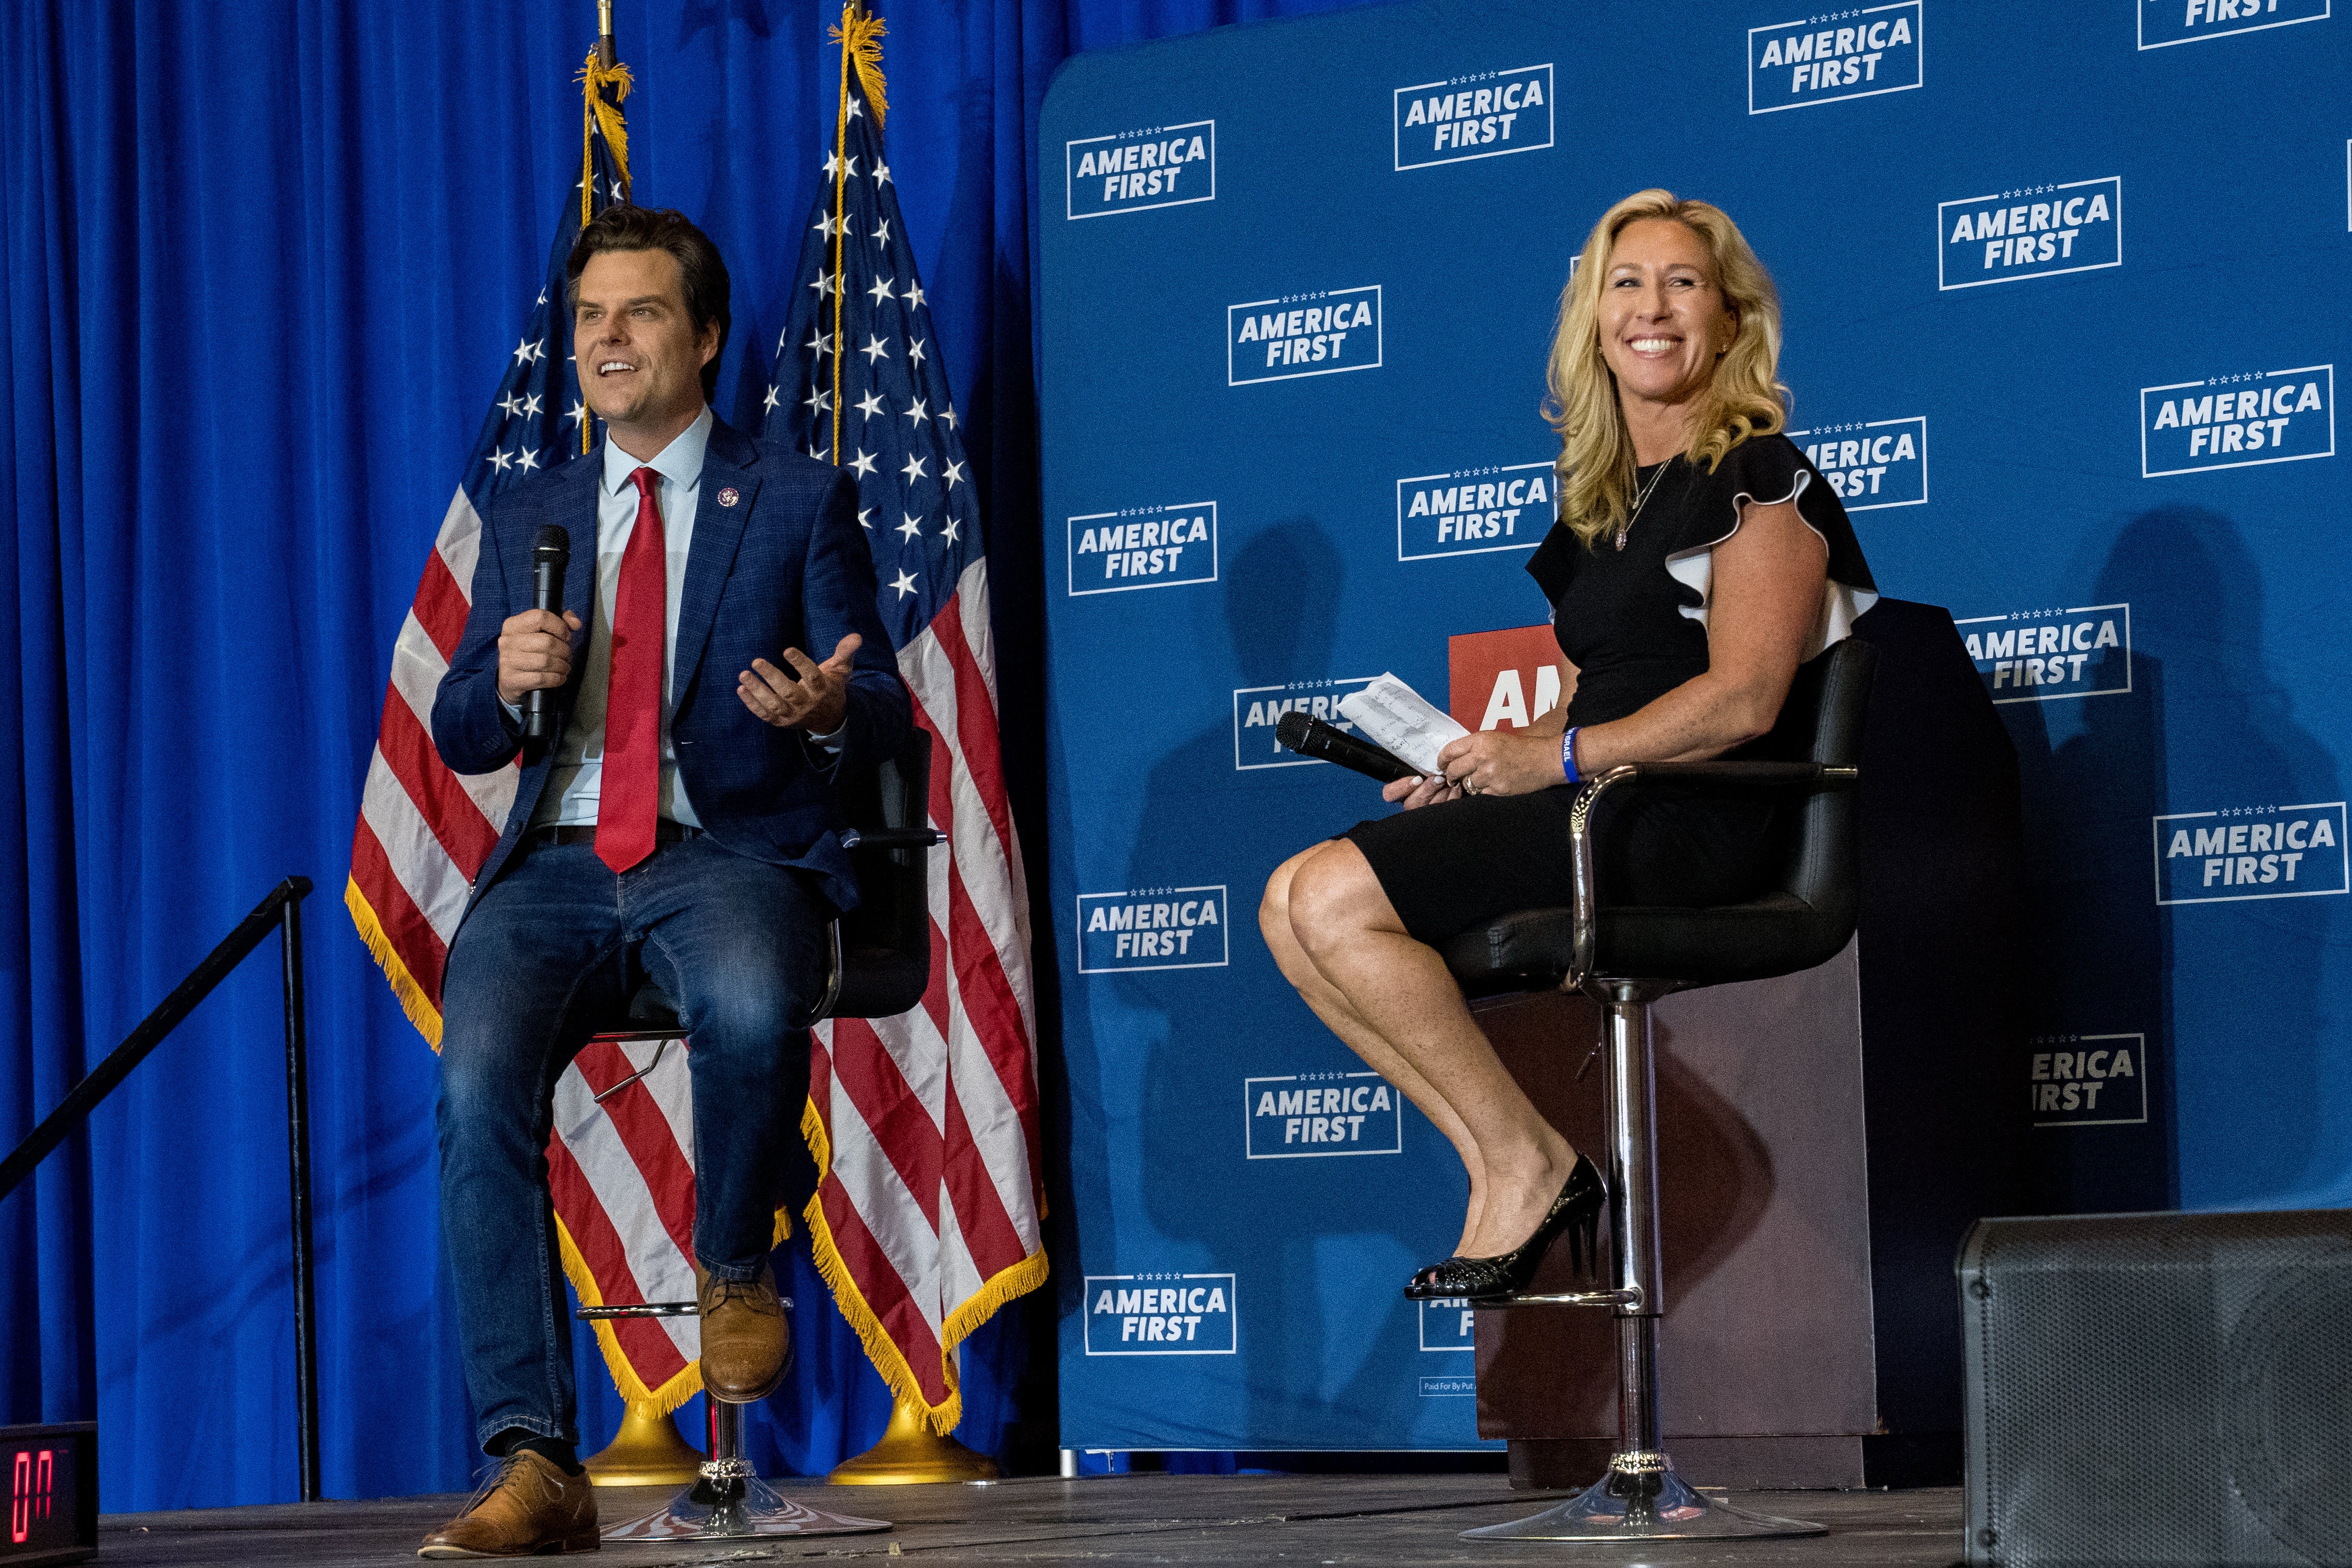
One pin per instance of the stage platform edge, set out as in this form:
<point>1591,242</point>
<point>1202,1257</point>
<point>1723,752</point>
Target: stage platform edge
<point>1104,1521</point>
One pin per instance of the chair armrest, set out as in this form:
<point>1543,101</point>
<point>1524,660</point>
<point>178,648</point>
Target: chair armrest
<point>892,837</point>
<point>1743,778</point>
<point>1760,775</point>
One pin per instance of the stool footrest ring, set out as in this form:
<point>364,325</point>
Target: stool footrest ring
<point>655,1310</point>
<point>1621,1299</point>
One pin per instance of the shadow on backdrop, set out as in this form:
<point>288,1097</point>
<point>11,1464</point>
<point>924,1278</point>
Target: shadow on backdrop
<point>2227,994</point>
<point>1280,606</point>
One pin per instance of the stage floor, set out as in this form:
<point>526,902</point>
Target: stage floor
<point>1103,1522</point>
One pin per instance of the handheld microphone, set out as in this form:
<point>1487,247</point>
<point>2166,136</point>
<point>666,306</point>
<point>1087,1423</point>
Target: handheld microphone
<point>1311,737</point>
<point>549,557</point>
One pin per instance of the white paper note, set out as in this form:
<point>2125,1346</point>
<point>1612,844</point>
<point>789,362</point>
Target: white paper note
<point>1394,716</point>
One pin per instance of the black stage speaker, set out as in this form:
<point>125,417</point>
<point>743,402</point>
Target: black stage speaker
<point>2156,1389</point>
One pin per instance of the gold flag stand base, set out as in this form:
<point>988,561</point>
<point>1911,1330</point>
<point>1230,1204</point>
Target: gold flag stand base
<point>910,1453</point>
<point>646,1452</point>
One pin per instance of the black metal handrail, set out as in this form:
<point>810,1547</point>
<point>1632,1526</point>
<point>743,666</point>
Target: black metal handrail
<point>283,910</point>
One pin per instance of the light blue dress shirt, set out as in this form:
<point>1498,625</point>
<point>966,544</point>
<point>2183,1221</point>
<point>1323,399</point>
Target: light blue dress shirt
<point>574,784</point>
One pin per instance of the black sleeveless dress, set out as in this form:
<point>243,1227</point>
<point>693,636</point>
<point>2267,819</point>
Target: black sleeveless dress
<point>1633,622</point>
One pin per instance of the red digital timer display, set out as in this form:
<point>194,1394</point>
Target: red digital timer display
<point>33,1493</point>
<point>49,1519</point>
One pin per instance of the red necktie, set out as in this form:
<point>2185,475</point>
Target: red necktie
<point>629,799</point>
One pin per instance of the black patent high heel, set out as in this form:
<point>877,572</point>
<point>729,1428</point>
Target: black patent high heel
<point>1576,1213</point>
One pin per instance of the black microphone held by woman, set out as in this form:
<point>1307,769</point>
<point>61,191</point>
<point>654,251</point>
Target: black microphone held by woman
<point>1698,560</point>
<point>1311,737</point>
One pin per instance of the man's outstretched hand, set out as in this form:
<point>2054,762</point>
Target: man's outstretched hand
<point>816,701</point>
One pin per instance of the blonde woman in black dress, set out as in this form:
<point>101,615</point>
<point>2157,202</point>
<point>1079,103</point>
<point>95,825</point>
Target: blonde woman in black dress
<point>1698,560</point>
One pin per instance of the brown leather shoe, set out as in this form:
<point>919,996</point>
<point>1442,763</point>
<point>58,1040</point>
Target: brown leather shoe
<point>529,1507</point>
<point>744,1335</point>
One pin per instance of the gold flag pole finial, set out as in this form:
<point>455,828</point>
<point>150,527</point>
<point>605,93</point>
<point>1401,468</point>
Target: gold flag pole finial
<point>857,34</point>
<point>860,37</point>
<point>602,115</point>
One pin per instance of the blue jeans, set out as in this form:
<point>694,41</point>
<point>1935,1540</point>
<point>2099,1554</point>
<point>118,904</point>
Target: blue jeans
<point>547,958</point>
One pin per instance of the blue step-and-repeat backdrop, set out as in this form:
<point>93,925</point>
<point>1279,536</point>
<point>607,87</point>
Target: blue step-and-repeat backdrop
<point>2066,298</point>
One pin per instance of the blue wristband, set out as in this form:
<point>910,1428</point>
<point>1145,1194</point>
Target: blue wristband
<point>1567,754</point>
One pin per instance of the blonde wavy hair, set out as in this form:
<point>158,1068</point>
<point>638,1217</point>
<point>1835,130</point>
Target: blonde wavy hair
<point>1745,398</point>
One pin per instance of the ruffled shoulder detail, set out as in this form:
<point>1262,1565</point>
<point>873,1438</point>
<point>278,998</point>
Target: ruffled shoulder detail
<point>1765,470</point>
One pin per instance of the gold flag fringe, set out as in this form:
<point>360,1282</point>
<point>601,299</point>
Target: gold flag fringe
<point>633,1388</point>
<point>658,1401</point>
<point>598,114</point>
<point>888,1360</point>
<point>860,36</point>
<point>413,1001</point>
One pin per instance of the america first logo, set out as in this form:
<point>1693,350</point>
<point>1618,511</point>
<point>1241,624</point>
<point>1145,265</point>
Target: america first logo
<point>2088,1081</point>
<point>1152,927</point>
<point>2042,656</point>
<point>2163,23</point>
<point>1257,710</point>
<point>1471,512</point>
<point>1308,1116</point>
<point>1840,54</point>
<point>1303,334</point>
<point>1490,674</point>
<point>1160,1314</point>
<point>1134,171</point>
<point>1484,115</point>
<point>2251,852</point>
<point>1448,1325</point>
<point>1143,547</point>
<point>2237,421</point>
<point>2037,231</point>
<point>1882,463</point>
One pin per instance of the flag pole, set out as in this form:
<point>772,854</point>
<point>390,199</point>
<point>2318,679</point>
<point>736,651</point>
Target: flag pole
<point>603,67</point>
<point>647,1451</point>
<point>845,33</point>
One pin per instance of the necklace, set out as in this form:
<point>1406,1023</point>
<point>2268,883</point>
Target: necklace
<point>1640,502</point>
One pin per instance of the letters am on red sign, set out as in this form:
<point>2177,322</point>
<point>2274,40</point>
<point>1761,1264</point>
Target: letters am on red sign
<point>1503,680</point>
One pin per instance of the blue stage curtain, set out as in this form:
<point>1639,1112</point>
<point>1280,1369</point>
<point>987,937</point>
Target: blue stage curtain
<point>263,261</point>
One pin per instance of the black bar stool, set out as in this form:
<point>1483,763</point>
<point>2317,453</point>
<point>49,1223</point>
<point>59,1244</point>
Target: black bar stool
<point>879,965</point>
<point>1625,959</point>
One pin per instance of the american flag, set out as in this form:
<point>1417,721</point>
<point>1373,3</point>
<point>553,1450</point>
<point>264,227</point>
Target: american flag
<point>424,831</point>
<point>621,1174</point>
<point>924,1126</point>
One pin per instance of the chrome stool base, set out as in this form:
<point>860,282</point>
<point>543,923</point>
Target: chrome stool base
<point>730,1501</point>
<point>722,1509</point>
<point>1642,1499</point>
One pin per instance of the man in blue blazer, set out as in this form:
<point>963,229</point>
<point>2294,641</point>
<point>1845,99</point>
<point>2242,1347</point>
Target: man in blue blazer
<point>680,825</point>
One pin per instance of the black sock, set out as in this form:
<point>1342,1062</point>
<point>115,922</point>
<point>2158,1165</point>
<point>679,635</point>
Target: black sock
<point>554,1450</point>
